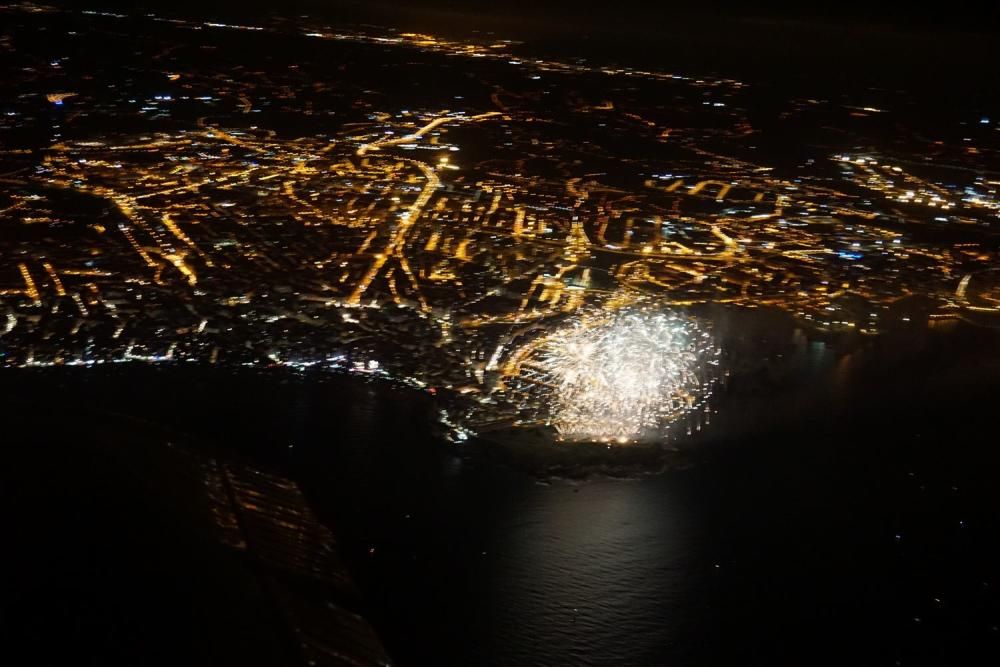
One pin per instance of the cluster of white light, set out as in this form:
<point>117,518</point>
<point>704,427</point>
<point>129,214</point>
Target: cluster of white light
<point>623,376</point>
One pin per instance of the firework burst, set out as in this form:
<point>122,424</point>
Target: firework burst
<point>624,376</point>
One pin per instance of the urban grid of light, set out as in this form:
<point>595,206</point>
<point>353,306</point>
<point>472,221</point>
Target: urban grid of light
<point>623,376</point>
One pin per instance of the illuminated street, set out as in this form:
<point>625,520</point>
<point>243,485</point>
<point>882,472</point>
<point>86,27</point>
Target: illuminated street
<point>219,233</point>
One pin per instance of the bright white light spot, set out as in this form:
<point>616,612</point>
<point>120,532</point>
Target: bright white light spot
<point>623,376</point>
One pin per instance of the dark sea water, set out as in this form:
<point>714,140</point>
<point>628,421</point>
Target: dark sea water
<point>850,518</point>
<point>842,511</point>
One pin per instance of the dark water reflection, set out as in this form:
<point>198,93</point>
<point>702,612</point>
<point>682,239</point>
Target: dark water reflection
<point>842,509</point>
<point>845,516</point>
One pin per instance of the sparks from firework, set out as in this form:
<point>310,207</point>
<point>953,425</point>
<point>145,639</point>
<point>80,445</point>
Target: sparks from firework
<point>623,376</point>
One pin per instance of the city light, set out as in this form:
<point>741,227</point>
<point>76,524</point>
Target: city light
<point>481,243</point>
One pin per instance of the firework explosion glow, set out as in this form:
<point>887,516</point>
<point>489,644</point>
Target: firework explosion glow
<point>624,376</point>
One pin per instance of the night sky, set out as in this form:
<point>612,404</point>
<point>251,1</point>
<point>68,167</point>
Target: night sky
<point>969,15</point>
